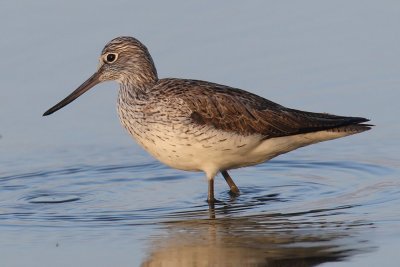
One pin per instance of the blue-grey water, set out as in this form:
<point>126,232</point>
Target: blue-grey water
<point>75,190</point>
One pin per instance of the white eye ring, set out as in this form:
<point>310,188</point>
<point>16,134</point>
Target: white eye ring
<point>110,57</point>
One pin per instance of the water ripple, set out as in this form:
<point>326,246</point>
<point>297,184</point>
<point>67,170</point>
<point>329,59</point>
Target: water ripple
<point>123,195</point>
<point>51,198</point>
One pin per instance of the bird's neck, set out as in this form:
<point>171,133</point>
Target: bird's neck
<point>135,90</point>
<point>139,84</point>
<point>140,78</point>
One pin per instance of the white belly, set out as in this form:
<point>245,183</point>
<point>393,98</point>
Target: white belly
<point>220,150</point>
<point>212,149</point>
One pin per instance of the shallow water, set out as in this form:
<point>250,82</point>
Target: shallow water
<point>292,212</point>
<point>76,190</point>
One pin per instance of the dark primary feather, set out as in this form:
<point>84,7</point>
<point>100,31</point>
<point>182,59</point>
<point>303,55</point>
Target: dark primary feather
<point>236,110</point>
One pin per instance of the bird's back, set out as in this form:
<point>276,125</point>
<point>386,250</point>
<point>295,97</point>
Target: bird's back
<point>235,110</point>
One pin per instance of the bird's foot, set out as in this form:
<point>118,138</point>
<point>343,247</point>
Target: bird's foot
<point>234,191</point>
<point>213,201</point>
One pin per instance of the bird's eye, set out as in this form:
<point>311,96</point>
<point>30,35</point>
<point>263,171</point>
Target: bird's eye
<point>110,57</point>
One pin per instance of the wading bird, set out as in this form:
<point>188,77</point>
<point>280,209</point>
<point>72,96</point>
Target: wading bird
<point>196,125</point>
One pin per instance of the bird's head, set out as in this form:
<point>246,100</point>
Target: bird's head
<point>123,59</point>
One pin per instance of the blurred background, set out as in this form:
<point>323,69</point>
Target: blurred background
<point>76,189</point>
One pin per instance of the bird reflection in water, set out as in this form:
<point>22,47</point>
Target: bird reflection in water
<point>259,240</point>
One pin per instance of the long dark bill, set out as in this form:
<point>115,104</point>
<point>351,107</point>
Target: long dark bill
<point>89,83</point>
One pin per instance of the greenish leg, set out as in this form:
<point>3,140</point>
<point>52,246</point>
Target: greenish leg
<point>234,189</point>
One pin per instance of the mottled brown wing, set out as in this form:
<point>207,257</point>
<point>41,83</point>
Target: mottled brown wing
<point>236,110</point>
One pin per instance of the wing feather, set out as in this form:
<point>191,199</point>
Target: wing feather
<point>236,110</point>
